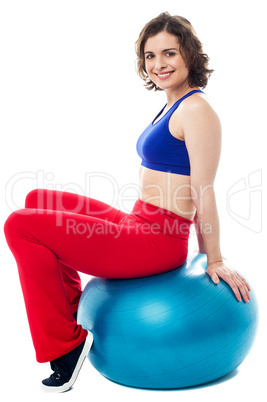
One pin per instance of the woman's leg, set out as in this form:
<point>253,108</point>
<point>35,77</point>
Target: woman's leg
<point>44,239</point>
<point>74,203</point>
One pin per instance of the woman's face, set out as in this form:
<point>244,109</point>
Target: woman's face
<point>164,63</point>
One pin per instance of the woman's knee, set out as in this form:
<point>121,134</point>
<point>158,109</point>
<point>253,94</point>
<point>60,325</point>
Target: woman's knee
<point>52,199</point>
<point>33,198</point>
<point>13,225</point>
<point>17,221</point>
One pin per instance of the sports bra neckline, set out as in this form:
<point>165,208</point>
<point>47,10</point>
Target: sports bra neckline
<point>154,122</point>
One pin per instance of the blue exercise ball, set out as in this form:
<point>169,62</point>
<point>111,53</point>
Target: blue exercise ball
<point>171,330</point>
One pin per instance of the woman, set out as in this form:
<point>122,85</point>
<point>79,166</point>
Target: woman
<point>58,233</point>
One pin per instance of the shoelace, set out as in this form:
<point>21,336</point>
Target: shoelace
<point>56,375</point>
<point>58,372</point>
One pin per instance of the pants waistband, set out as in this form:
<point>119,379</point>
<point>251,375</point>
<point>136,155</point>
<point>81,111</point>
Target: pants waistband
<point>167,221</point>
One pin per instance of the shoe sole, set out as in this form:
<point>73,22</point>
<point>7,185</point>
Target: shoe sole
<point>65,387</point>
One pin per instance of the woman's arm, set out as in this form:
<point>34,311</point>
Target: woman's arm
<point>202,133</point>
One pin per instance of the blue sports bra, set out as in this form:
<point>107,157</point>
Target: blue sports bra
<point>159,149</point>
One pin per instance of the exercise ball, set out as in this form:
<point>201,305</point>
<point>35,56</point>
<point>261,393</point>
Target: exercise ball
<point>171,330</point>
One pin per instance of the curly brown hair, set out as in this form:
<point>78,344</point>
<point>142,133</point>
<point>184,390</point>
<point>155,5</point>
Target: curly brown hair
<point>190,47</point>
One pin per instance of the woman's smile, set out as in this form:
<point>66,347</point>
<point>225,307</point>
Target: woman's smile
<point>164,76</point>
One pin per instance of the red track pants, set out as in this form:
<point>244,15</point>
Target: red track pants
<point>59,233</point>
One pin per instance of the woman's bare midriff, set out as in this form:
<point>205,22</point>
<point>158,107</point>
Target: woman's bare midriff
<point>167,190</point>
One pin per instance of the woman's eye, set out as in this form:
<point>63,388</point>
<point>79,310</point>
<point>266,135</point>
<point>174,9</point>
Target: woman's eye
<point>151,56</point>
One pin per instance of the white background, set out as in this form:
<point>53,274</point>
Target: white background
<point>72,107</point>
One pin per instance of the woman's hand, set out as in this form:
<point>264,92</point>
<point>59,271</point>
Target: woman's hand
<point>237,283</point>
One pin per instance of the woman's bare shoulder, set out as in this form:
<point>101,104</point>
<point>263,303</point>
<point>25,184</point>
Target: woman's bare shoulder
<point>197,102</point>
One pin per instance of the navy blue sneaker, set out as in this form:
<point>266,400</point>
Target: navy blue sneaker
<point>66,368</point>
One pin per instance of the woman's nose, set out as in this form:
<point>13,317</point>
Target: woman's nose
<point>160,63</point>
